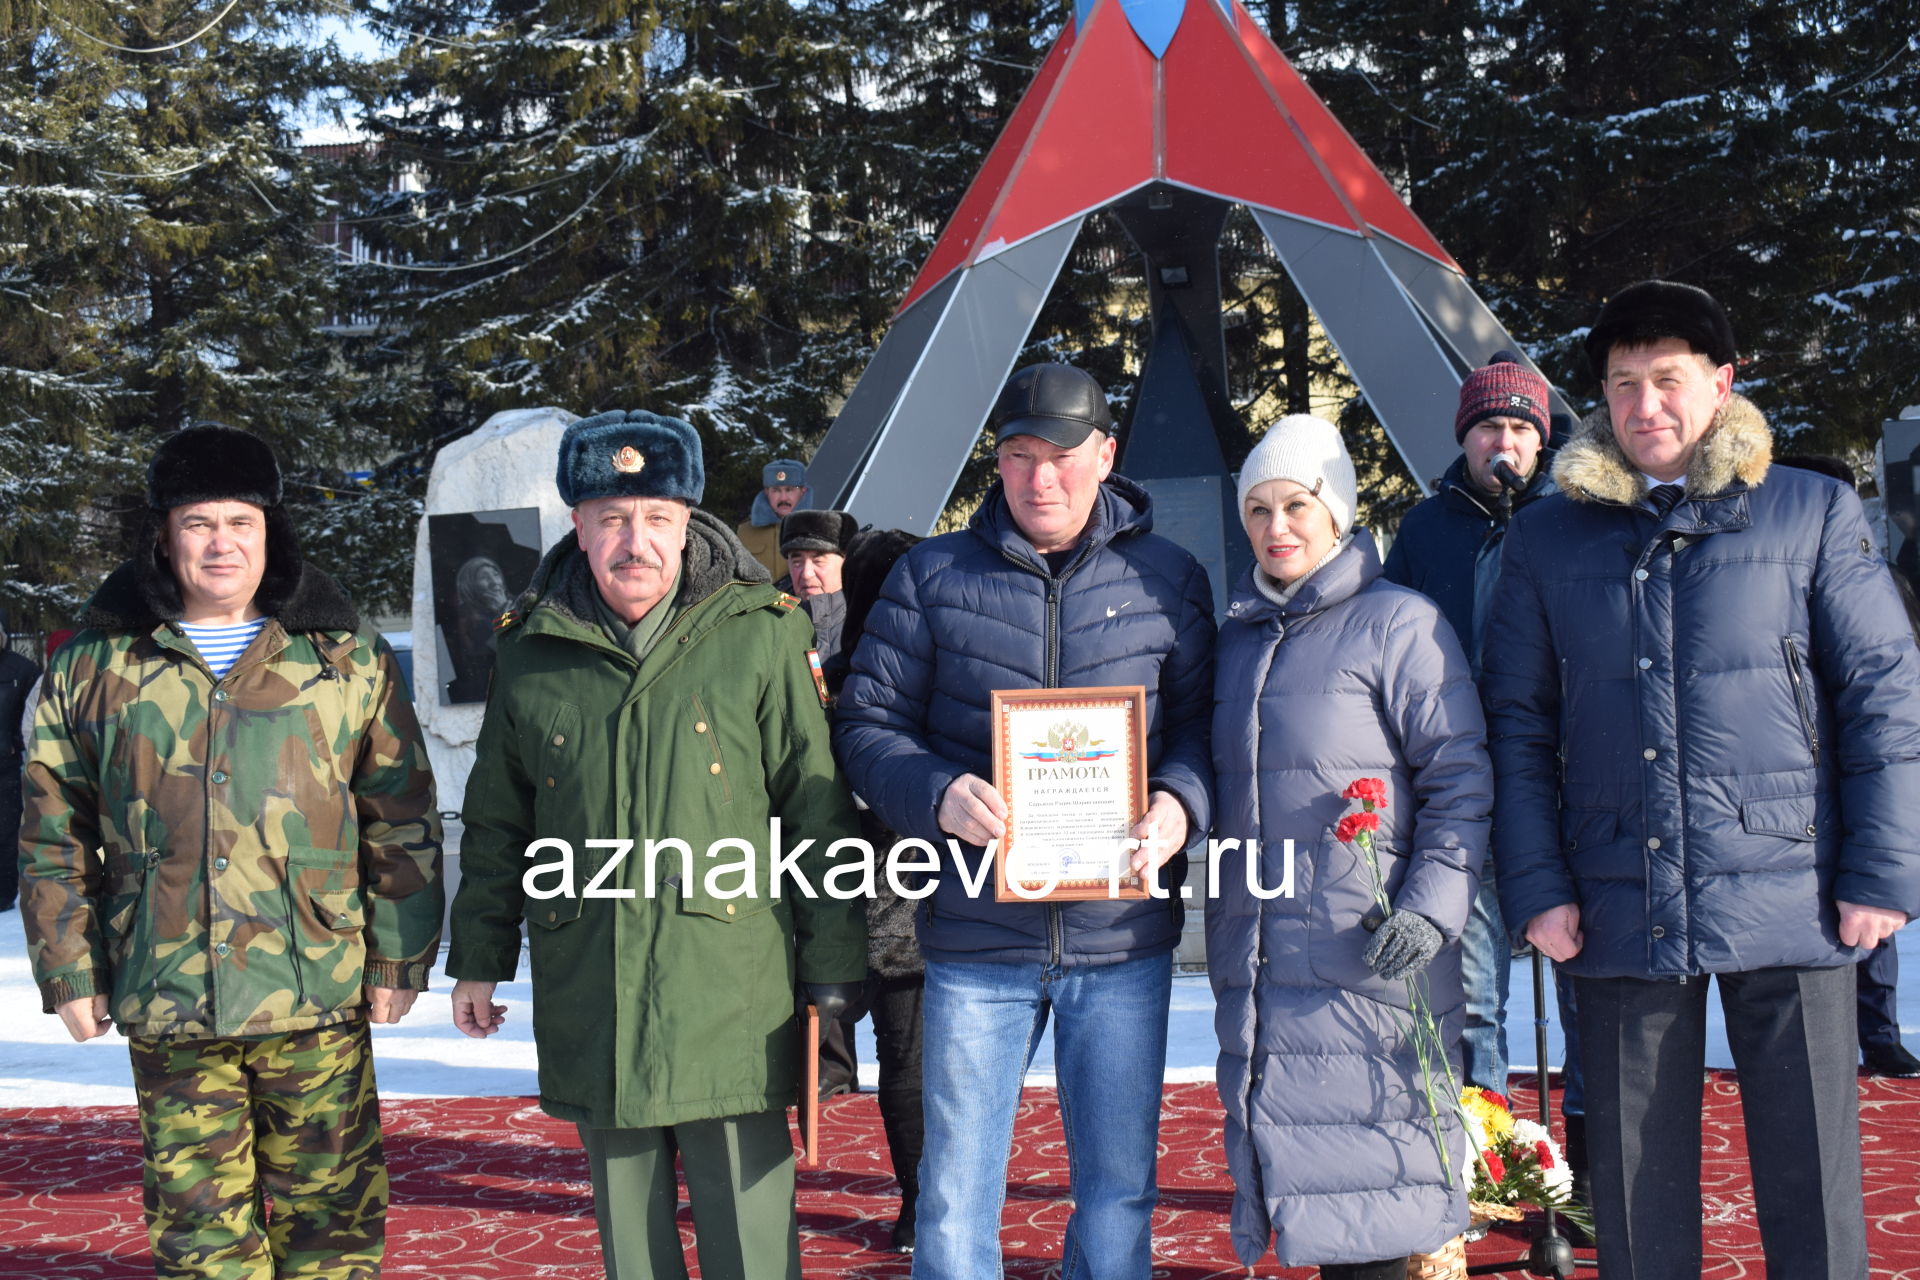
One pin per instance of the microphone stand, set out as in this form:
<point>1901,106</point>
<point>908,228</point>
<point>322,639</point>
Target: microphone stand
<point>1551,1254</point>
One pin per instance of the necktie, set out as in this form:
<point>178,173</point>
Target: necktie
<point>1665,497</point>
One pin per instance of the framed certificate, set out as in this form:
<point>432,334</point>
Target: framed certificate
<point>1071,765</point>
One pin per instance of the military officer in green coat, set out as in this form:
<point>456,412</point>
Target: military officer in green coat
<point>654,740</point>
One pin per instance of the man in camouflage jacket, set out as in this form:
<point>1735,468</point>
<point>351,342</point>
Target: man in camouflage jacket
<point>231,853</point>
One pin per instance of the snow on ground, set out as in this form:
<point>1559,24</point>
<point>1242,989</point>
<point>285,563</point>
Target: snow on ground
<point>424,1057</point>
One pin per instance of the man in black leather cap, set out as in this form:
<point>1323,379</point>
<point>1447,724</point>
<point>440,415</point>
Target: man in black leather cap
<point>1058,582</point>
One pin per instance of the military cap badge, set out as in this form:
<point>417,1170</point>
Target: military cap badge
<point>628,461</point>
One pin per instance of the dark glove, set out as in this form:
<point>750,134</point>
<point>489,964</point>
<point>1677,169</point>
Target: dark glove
<point>831,999</point>
<point>1403,945</point>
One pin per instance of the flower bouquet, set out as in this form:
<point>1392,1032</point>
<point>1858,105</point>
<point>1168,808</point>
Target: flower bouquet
<point>1516,1163</point>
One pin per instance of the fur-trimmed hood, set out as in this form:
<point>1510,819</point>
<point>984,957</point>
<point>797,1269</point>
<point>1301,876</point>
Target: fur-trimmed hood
<point>713,558</point>
<point>142,593</point>
<point>1738,448</point>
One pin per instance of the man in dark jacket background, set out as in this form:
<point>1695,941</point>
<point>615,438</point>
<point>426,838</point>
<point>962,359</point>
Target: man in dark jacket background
<point>815,546</point>
<point>1057,583</point>
<point>1448,549</point>
<point>17,675</point>
<point>1704,711</point>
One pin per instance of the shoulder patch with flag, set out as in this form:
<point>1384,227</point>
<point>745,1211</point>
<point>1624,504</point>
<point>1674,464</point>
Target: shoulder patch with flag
<point>819,677</point>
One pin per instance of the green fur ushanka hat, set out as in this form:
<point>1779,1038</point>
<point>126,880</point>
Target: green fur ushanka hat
<point>630,454</point>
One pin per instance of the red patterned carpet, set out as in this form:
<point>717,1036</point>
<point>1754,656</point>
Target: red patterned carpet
<point>491,1189</point>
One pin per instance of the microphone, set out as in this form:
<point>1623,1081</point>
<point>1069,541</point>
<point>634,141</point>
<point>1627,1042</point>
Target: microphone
<point>1506,466</point>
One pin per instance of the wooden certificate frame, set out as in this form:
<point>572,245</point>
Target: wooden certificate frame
<point>1071,765</point>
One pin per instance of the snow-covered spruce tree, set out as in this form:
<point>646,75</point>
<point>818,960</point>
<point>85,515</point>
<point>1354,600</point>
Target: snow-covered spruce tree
<point>57,403</point>
<point>162,258</point>
<point>1560,150</point>
<point>624,204</point>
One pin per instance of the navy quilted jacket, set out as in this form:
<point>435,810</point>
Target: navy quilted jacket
<point>1705,728</point>
<point>969,612</point>
<point>1448,547</point>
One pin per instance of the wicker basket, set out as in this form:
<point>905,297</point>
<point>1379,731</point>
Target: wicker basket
<point>1448,1262</point>
<point>1482,1211</point>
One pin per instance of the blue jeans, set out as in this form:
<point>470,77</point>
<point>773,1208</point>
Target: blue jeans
<point>981,1021</point>
<point>1573,1081</point>
<point>1486,970</point>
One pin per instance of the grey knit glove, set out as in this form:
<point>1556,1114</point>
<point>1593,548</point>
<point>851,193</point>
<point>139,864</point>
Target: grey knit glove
<point>1403,945</point>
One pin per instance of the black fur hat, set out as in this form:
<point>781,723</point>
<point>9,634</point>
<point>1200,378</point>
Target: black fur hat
<point>1656,309</point>
<point>208,462</point>
<point>630,454</point>
<point>817,531</point>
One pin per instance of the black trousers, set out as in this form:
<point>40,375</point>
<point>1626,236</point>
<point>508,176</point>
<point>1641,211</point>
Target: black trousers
<point>895,1006</point>
<point>1391,1269</point>
<point>1878,1007</point>
<point>1792,1036</point>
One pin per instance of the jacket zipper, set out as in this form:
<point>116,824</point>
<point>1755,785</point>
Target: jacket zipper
<point>1796,676</point>
<point>1050,675</point>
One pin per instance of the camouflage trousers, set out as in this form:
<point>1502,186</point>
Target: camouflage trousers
<point>263,1157</point>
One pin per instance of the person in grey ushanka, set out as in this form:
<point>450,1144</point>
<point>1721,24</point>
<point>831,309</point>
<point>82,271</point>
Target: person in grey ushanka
<point>783,490</point>
<point>1328,674</point>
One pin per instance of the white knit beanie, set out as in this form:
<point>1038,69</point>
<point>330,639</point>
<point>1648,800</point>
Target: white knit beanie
<point>1308,451</point>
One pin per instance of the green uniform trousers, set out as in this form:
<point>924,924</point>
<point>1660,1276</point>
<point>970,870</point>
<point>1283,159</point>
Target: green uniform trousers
<point>263,1157</point>
<point>739,1172</point>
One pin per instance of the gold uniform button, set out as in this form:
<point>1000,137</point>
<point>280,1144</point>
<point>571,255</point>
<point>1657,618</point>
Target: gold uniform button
<point>552,916</point>
<point>714,767</point>
<point>549,781</point>
<point>559,739</point>
<point>700,726</point>
<point>729,908</point>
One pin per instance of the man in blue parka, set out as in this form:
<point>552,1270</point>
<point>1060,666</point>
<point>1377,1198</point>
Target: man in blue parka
<point>1448,549</point>
<point>1704,712</point>
<point>1057,583</point>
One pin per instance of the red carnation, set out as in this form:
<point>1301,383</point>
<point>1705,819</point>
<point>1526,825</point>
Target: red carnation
<point>1370,790</point>
<point>1499,1098</point>
<point>1496,1170</point>
<point>1543,1153</point>
<point>1353,824</point>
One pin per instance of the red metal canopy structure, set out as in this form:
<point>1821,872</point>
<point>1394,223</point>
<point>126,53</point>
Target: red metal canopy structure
<point>1168,112</point>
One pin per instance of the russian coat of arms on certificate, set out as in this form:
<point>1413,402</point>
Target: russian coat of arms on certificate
<point>1071,765</point>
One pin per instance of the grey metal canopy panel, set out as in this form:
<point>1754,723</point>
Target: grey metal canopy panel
<point>1155,109</point>
<point>1411,383</point>
<point>1455,311</point>
<point>843,454</point>
<point>932,421</point>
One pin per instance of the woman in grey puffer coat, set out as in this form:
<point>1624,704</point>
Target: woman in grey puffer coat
<point>1327,674</point>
